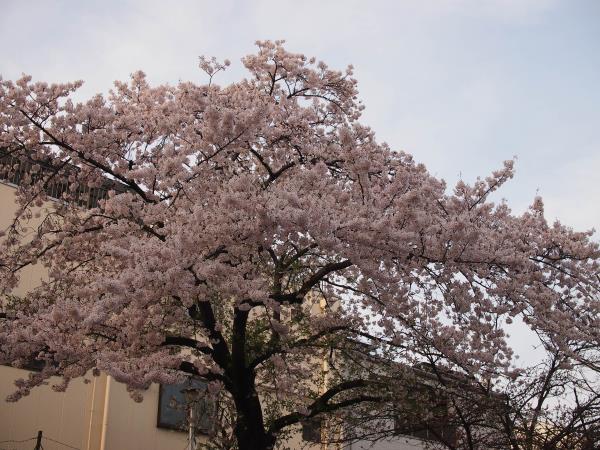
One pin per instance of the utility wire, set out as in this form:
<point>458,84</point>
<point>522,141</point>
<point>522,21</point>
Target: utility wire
<point>58,442</point>
<point>34,438</point>
<point>16,442</point>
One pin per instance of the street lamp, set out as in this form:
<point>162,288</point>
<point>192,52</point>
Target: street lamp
<point>192,396</point>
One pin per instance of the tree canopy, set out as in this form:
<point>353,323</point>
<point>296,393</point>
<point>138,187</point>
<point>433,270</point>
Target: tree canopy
<point>250,230</point>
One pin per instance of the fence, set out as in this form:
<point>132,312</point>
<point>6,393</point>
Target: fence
<point>19,169</point>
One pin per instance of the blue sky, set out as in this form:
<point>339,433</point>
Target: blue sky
<point>462,85</point>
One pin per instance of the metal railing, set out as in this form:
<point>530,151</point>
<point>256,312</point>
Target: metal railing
<point>19,169</point>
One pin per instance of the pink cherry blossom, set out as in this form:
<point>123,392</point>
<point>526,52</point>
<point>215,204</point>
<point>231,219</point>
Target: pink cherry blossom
<point>223,212</point>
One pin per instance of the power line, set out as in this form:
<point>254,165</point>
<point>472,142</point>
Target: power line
<point>61,443</point>
<point>35,438</point>
<point>17,442</point>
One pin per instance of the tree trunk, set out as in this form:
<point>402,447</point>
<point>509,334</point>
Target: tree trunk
<point>249,429</point>
<point>250,438</point>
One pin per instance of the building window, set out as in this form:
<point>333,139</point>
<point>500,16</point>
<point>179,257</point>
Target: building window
<point>175,401</point>
<point>311,430</point>
<point>434,426</point>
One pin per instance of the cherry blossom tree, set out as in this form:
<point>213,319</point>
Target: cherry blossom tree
<point>248,233</point>
<point>552,404</point>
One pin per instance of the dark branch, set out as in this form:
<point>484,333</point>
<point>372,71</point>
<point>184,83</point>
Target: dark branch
<point>187,342</point>
<point>296,297</point>
<point>322,405</point>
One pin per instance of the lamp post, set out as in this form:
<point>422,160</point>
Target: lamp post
<point>191,397</point>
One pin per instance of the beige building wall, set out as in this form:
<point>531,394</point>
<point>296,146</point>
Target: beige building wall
<point>70,417</point>
<point>130,425</point>
<point>31,276</point>
<point>98,415</point>
<point>396,443</point>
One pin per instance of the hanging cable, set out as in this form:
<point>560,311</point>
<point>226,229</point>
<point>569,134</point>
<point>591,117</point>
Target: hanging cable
<point>17,442</point>
<point>61,443</point>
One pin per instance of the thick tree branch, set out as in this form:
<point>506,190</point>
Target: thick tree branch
<point>182,341</point>
<point>97,164</point>
<point>191,369</point>
<point>322,405</point>
<point>297,296</point>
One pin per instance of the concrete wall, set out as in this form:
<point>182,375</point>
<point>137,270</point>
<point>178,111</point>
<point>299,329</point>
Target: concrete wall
<point>98,415</point>
<point>130,425</point>
<point>30,276</point>
<point>70,417</point>
<point>397,443</point>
